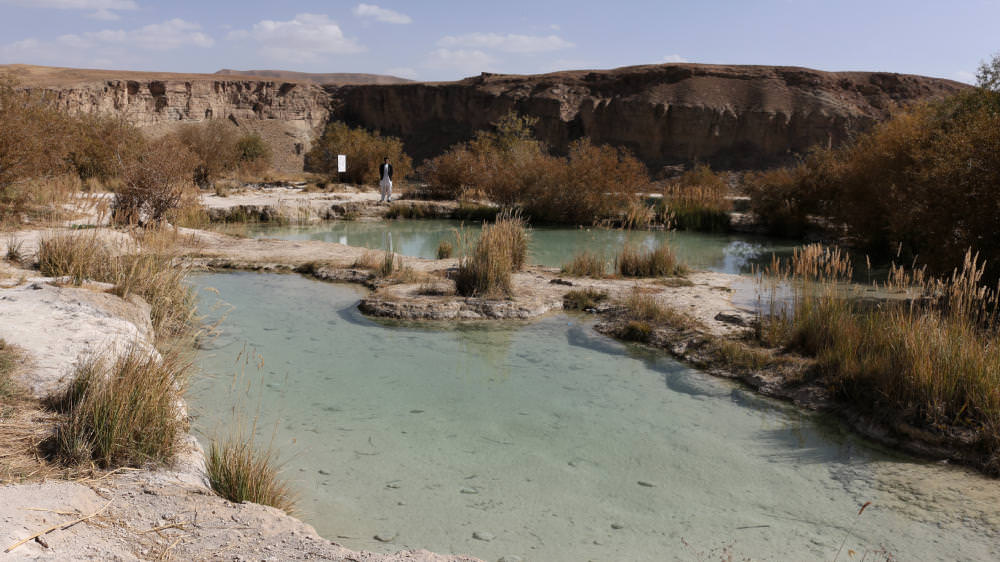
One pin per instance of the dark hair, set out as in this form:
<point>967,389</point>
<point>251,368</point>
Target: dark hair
<point>385,158</point>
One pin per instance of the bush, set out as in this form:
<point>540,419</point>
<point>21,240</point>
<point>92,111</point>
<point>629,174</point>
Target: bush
<point>124,411</point>
<point>923,185</point>
<point>153,182</point>
<point>657,262</point>
<point>239,472</point>
<point>511,168</point>
<point>500,250</point>
<point>100,145</point>
<point>932,361</point>
<point>34,141</point>
<point>214,146</point>
<point>364,150</point>
<point>254,155</point>
<point>698,200</point>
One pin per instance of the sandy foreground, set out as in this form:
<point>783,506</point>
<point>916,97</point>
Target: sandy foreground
<point>171,512</point>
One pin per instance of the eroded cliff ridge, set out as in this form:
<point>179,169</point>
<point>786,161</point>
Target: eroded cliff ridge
<point>286,113</point>
<point>730,116</point>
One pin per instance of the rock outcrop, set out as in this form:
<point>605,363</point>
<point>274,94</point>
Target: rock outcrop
<point>730,116</point>
<point>285,113</point>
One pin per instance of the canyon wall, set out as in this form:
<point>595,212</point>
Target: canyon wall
<point>285,114</point>
<point>729,116</point>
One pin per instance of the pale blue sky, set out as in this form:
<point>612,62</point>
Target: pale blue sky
<point>444,40</point>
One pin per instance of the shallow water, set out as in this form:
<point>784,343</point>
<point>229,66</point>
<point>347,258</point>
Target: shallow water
<point>552,247</point>
<point>546,436</point>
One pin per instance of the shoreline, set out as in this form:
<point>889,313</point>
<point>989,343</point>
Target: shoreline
<point>155,498</point>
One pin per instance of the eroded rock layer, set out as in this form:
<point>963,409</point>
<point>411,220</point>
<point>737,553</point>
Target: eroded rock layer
<point>732,116</point>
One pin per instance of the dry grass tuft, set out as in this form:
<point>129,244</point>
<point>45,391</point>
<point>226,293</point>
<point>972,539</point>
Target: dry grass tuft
<point>152,272</point>
<point>587,264</point>
<point>9,359</point>
<point>501,250</point>
<point>931,360</point>
<point>444,250</point>
<point>584,299</point>
<point>240,472</point>
<point>123,411</point>
<point>658,262</point>
<point>698,200</point>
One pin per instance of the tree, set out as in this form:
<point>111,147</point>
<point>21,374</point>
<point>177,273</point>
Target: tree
<point>988,74</point>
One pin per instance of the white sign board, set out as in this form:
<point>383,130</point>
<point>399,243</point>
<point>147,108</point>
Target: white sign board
<point>341,163</point>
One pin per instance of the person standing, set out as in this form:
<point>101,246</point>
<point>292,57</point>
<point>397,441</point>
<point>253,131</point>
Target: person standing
<point>385,180</point>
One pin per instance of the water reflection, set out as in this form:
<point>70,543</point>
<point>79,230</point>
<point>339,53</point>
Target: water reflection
<point>730,253</point>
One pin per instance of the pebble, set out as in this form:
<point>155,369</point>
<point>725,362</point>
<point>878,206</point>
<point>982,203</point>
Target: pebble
<point>324,472</point>
<point>510,558</point>
<point>646,484</point>
<point>483,536</point>
<point>617,526</point>
<point>385,537</point>
<point>416,411</point>
<point>393,485</point>
<point>469,491</point>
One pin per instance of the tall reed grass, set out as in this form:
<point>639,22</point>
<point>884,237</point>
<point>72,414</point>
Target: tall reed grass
<point>124,410</point>
<point>502,249</point>
<point>931,359</point>
<point>698,200</point>
<point>150,270</point>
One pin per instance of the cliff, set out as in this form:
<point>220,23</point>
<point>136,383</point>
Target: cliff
<point>285,113</point>
<point>730,116</point>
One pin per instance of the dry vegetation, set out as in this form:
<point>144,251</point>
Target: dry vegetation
<point>364,150</point>
<point>240,471</point>
<point>697,200</point>
<point>924,184</point>
<point>656,262</point>
<point>511,168</point>
<point>930,360</point>
<point>124,411</point>
<point>501,250</point>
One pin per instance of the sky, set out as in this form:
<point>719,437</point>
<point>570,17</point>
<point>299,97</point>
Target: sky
<point>447,40</point>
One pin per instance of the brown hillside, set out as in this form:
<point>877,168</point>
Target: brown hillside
<point>336,78</point>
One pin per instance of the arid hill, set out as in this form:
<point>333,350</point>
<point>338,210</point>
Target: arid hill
<point>336,78</point>
<point>730,116</point>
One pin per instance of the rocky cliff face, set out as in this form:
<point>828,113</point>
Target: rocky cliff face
<point>286,114</point>
<point>730,116</point>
